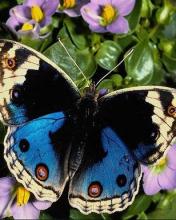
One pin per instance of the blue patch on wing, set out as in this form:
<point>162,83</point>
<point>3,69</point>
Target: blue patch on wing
<point>112,177</point>
<point>35,150</point>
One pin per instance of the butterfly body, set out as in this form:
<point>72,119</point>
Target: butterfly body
<point>96,144</point>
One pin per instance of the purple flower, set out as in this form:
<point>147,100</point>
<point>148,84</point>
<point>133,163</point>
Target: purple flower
<point>107,15</point>
<point>14,201</point>
<point>71,7</point>
<point>161,175</point>
<point>31,16</point>
<point>103,92</point>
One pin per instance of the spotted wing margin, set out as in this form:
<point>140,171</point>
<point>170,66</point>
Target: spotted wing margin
<point>143,117</point>
<point>40,146</point>
<point>108,184</point>
<point>31,85</point>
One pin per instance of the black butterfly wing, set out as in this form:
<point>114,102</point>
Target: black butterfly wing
<point>31,85</point>
<point>143,117</point>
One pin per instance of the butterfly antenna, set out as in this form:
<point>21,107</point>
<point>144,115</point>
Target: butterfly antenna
<point>74,61</point>
<point>128,54</point>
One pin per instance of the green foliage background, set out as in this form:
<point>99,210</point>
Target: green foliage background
<point>152,37</point>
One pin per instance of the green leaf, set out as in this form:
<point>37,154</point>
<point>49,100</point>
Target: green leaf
<point>20,1</point>
<point>106,84</point>
<point>134,17</point>
<point>108,54</point>
<point>142,216</point>
<point>158,73</point>
<point>76,215</point>
<point>34,43</point>
<point>117,80</point>
<point>76,33</point>
<point>170,63</point>
<point>139,65</point>
<point>157,197</point>
<point>164,210</point>
<point>125,41</point>
<point>140,204</point>
<point>83,58</point>
<point>147,8</point>
<point>44,216</point>
<point>170,30</point>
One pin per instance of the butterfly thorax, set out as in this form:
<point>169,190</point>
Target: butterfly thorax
<point>87,107</point>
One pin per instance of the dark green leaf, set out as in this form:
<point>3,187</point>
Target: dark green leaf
<point>106,84</point>
<point>134,17</point>
<point>170,30</point>
<point>139,65</point>
<point>117,80</point>
<point>142,216</point>
<point>83,58</point>
<point>165,208</point>
<point>45,216</point>
<point>76,34</point>
<point>108,54</point>
<point>125,41</point>
<point>34,43</point>
<point>76,215</point>
<point>140,204</point>
<point>170,63</point>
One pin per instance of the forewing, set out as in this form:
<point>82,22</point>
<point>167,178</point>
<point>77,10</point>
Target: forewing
<point>31,85</point>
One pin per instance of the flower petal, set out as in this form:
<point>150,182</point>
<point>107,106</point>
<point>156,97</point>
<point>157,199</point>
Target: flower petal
<point>167,179</point>
<point>97,28</point>
<point>119,26</point>
<point>31,33</point>
<point>42,205</point>
<point>150,183</point>
<point>12,23</point>
<point>90,13</point>
<point>21,13</point>
<point>101,2</point>
<point>46,21</point>
<point>31,3</point>
<point>171,157</point>
<point>25,212</point>
<point>124,7</point>
<point>6,184</point>
<point>71,12</point>
<point>49,7</point>
<point>4,200</point>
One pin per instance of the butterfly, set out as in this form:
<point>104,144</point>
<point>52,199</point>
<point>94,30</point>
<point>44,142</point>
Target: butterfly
<point>56,136</point>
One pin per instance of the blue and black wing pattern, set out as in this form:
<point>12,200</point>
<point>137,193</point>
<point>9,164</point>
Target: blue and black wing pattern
<point>143,117</point>
<point>37,154</point>
<point>108,177</point>
<point>31,85</point>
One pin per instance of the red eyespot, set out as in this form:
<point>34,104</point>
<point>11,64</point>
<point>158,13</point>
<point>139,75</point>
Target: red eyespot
<point>95,189</point>
<point>10,63</point>
<point>171,110</point>
<point>42,172</point>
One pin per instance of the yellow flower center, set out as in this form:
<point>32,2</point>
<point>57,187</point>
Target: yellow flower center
<point>37,13</point>
<point>160,165</point>
<point>162,162</point>
<point>108,14</point>
<point>66,4</point>
<point>22,196</point>
<point>27,27</point>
